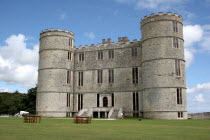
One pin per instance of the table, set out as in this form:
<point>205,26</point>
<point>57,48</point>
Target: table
<point>32,119</point>
<point>78,119</point>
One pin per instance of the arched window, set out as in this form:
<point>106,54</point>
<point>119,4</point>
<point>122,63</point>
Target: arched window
<point>105,102</point>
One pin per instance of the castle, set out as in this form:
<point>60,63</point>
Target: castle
<point>143,78</point>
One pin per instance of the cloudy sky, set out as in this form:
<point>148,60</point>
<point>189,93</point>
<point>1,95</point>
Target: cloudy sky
<point>92,20</point>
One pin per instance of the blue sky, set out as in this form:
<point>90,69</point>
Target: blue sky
<point>93,20</point>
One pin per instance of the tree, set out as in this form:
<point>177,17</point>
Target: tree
<point>16,92</point>
<point>12,103</point>
<point>31,101</point>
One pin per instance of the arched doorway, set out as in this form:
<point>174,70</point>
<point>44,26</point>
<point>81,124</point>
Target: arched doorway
<point>105,102</point>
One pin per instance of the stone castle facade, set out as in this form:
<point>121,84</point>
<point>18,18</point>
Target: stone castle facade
<point>143,78</point>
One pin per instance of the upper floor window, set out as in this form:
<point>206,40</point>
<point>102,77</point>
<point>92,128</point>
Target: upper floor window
<point>100,55</point>
<point>179,95</point>
<point>175,43</point>
<point>177,68</point>
<point>69,55</point>
<point>81,56</point>
<point>71,42</point>
<point>68,77</point>
<point>135,75</point>
<point>100,76</point>
<point>111,54</point>
<point>134,52</point>
<point>111,75</point>
<point>80,78</point>
<point>175,27</point>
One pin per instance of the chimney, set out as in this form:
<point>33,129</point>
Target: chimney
<point>103,41</point>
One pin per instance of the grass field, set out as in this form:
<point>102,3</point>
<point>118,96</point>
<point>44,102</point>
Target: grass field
<point>127,129</point>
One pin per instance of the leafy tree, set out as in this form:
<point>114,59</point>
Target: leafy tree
<point>17,92</point>
<point>31,100</point>
<point>12,103</point>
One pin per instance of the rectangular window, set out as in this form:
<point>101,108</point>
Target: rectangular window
<point>175,43</point>
<point>71,42</point>
<point>180,114</point>
<point>135,75</point>
<point>80,78</point>
<point>98,100</point>
<point>80,102</point>
<point>111,54</point>
<point>175,27</point>
<point>135,104</point>
<point>69,55</point>
<point>68,100</point>
<point>111,75</point>
<point>134,52</point>
<point>81,57</point>
<point>112,99</point>
<point>68,114</point>
<point>100,76</point>
<point>177,68</point>
<point>179,95</point>
<point>68,77</point>
<point>100,55</point>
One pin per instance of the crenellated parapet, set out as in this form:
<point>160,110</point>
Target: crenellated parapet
<point>58,30</point>
<point>160,17</point>
<point>122,42</point>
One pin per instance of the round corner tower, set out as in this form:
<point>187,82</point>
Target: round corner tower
<point>163,67</point>
<point>55,70</point>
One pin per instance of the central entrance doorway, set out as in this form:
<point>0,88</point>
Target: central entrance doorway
<point>105,102</point>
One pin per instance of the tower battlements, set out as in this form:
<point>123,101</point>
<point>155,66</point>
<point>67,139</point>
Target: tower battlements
<point>58,30</point>
<point>105,43</point>
<point>141,78</point>
<point>161,16</point>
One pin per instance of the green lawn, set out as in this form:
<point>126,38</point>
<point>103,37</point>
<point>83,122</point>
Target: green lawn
<point>127,129</point>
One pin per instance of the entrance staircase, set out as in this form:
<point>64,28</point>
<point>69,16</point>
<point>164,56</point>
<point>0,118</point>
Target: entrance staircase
<point>113,113</point>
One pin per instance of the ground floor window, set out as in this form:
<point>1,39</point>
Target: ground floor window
<point>68,100</point>
<point>68,114</point>
<point>112,99</point>
<point>180,114</point>
<point>100,114</point>
<point>135,104</point>
<point>105,102</point>
<point>80,102</point>
<point>98,100</point>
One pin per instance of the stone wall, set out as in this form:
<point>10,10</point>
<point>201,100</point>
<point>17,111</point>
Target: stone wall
<point>204,115</point>
<point>157,83</point>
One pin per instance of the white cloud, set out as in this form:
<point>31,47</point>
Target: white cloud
<point>154,4</point>
<point>90,35</point>
<point>62,16</point>
<point>192,35</point>
<point>189,56</point>
<point>199,88</point>
<point>18,64</point>
<point>205,45</point>
<point>197,39</point>
<point>3,89</point>
<point>199,98</point>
